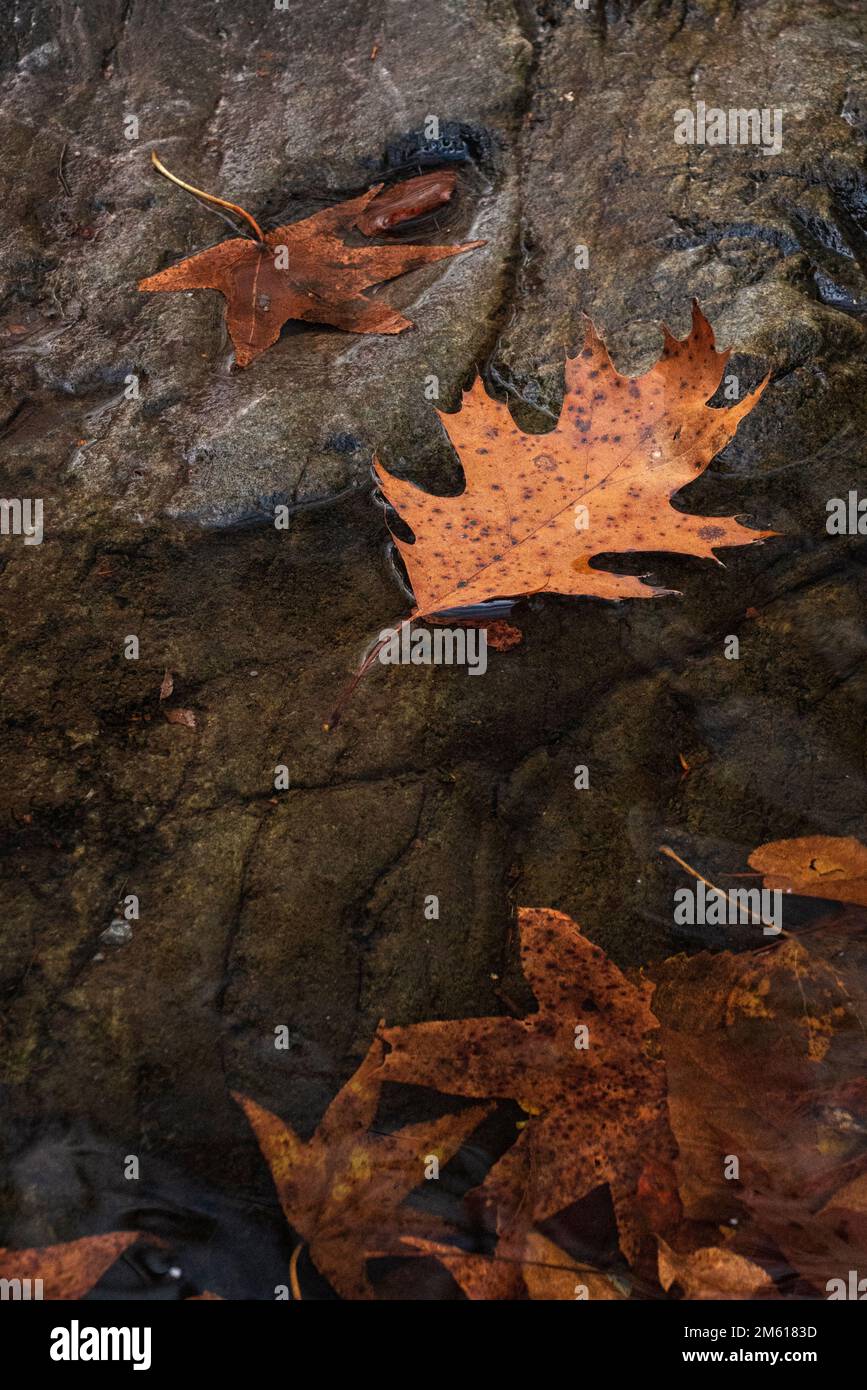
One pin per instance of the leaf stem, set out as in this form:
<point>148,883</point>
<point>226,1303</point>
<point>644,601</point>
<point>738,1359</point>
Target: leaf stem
<point>334,718</point>
<point>293,1272</point>
<point>209,197</point>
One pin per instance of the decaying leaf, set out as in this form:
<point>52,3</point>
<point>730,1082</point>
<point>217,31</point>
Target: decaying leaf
<point>845,1213</point>
<point>596,1112</point>
<point>713,1272</point>
<point>303,270</point>
<point>181,716</point>
<point>70,1270</point>
<point>479,1276</point>
<point>815,866</point>
<point>500,635</point>
<point>550,1273</point>
<point>747,1039</point>
<point>404,201</point>
<point>764,1054</point>
<point>167,685</point>
<point>343,1190</point>
<point>503,636</point>
<point>536,1269</point>
<point>537,508</point>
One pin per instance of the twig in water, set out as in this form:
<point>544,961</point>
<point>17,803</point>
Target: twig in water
<point>61,176</point>
<point>664,849</point>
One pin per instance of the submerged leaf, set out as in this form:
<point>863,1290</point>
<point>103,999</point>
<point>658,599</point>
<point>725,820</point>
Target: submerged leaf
<point>765,1057</point>
<point>70,1270</point>
<point>815,866</point>
<point>535,1268</point>
<point>596,1113</point>
<point>713,1272</point>
<point>342,1191</point>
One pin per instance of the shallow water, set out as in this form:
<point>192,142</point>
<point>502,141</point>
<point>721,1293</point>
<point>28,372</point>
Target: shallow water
<point>298,908</point>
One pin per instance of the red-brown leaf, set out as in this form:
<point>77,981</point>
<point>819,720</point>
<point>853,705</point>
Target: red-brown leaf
<point>69,1270</point>
<point>323,282</point>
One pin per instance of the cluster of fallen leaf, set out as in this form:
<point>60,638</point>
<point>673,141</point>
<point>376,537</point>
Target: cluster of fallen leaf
<point>536,510</point>
<point>621,447</point>
<point>700,1060</point>
<point>719,1098</point>
<point>627,444</point>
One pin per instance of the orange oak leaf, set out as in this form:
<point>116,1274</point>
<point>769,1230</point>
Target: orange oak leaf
<point>595,1099</point>
<point>342,1191</point>
<point>303,270</point>
<point>70,1270</point>
<point>537,508</point>
<point>815,866</point>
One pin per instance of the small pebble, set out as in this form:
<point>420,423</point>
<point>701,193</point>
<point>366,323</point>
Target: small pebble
<point>118,933</point>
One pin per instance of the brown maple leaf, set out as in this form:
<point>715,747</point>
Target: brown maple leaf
<point>537,508</point>
<point>302,270</point>
<point>764,1055</point>
<point>535,1269</point>
<point>342,1191</point>
<point>713,1272</point>
<point>488,1277</point>
<point>846,1214</point>
<point>596,1114</point>
<point>69,1270</point>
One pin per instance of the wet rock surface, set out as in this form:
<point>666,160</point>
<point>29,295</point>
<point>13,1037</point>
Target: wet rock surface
<point>304,907</point>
